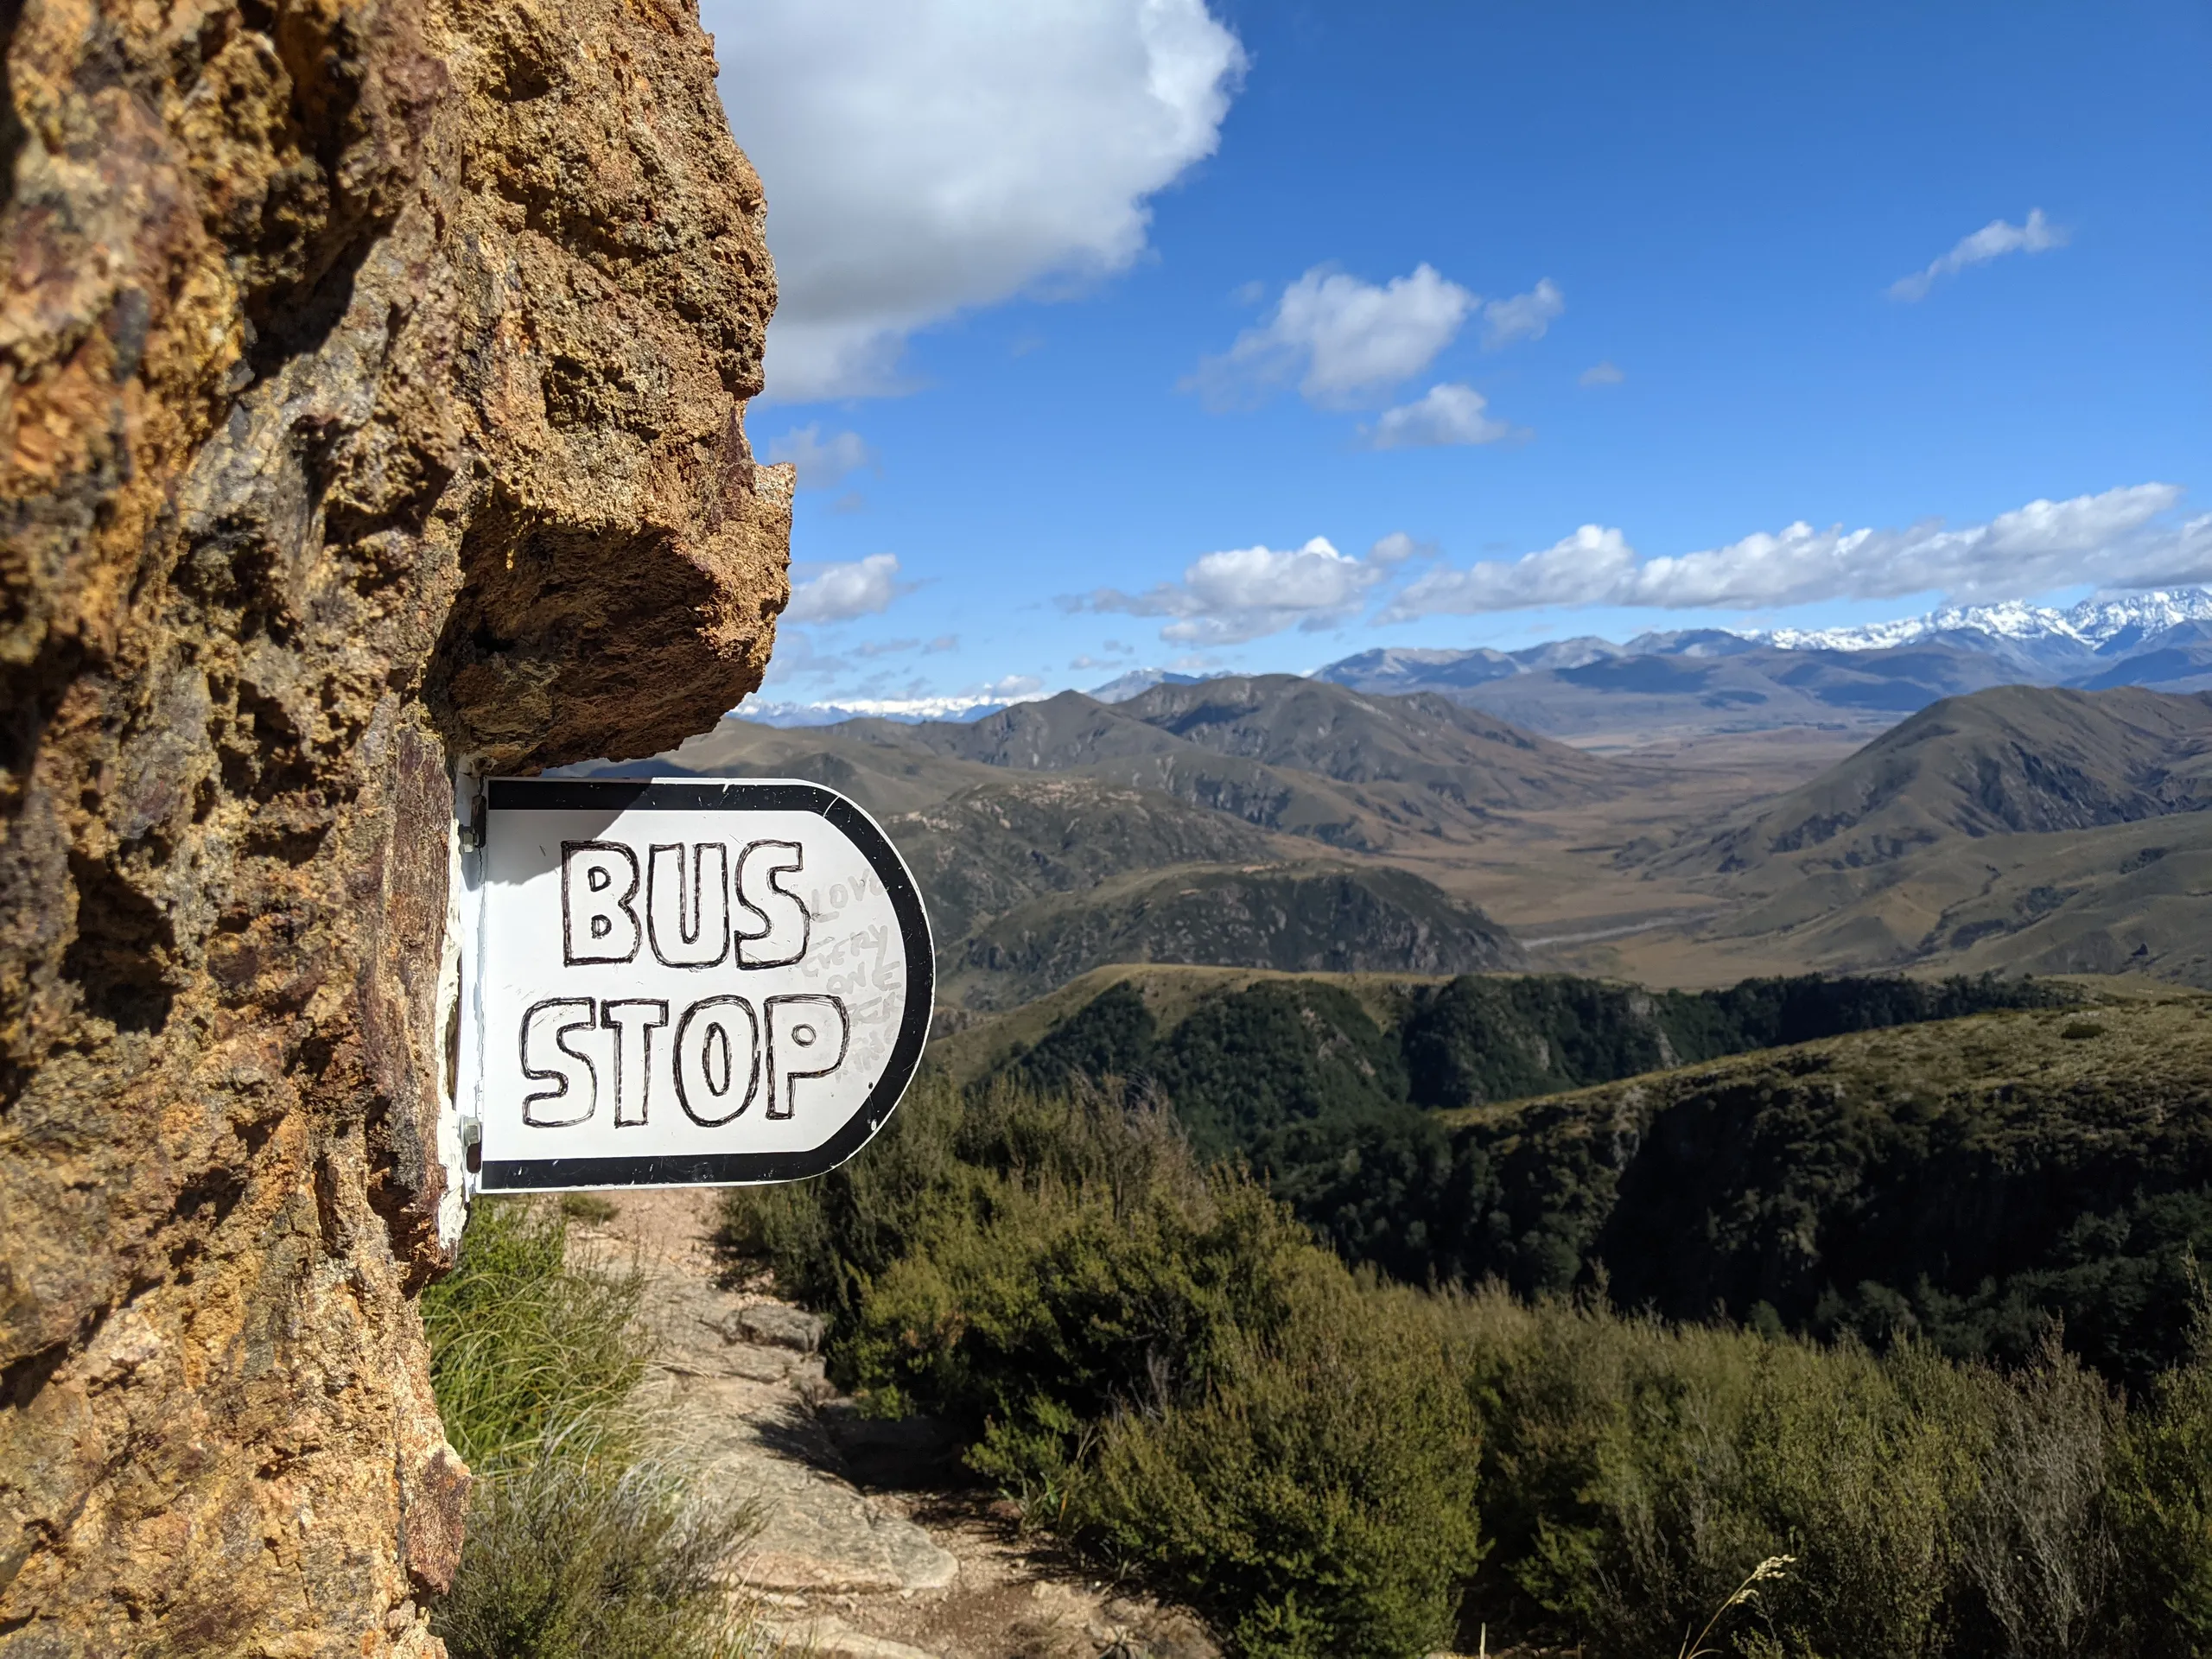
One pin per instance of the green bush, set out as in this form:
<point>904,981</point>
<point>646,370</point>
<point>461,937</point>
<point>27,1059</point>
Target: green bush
<point>582,1542</point>
<point>1319,1498</point>
<point>2162,1508</point>
<point>1181,1385</point>
<point>1062,1281</point>
<point>1635,1471</point>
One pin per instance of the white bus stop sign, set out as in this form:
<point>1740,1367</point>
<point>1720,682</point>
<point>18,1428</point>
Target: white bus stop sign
<point>685,982</point>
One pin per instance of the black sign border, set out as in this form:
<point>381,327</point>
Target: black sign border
<point>734,1168</point>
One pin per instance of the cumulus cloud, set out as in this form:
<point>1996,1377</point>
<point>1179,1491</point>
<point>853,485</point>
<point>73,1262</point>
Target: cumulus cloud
<point>1523,316</point>
<point>838,592</point>
<point>2113,540</point>
<point>922,158</point>
<point>1340,338</point>
<point>1446,415</point>
<point>1602,374</point>
<point>1014,686</point>
<point>1247,593</point>
<point>823,463</point>
<point>1992,241</point>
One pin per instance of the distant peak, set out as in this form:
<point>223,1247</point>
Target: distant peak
<point>2093,623</point>
<point>1138,681</point>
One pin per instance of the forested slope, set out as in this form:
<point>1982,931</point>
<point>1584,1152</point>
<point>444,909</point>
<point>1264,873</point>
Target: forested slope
<point>1963,1161</point>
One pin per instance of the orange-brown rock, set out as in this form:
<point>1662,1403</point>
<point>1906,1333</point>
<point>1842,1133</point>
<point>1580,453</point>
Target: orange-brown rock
<point>373,395</point>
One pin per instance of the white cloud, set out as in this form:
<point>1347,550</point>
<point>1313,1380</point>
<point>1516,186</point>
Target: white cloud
<point>1992,241</point>
<point>1572,571</point>
<point>926,158</point>
<point>1340,338</point>
<point>2113,540</point>
<point>1247,593</point>
<point>1446,415</point>
<point>1523,316</point>
<point>1014,686</point>
<point>838,592</point>
<point>1397,548</point>
<point>823,463</point>
<point>1602,374</point>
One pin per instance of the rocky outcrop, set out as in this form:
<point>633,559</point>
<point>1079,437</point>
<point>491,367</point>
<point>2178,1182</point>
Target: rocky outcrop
<point>375,376</point>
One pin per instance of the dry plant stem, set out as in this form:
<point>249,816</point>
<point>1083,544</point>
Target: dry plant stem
<point>1747,1592</point>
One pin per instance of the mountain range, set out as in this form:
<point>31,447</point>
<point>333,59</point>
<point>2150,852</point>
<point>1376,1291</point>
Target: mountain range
<point>1275,822</point>
<point>1707,680</point>
<point>1686,682</point>
<point>1231,822</point>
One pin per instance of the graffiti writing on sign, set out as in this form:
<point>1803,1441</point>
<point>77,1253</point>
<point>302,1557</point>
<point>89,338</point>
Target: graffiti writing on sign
<point>687,982</point>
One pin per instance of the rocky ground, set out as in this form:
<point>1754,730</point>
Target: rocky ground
<point>872,1546</point>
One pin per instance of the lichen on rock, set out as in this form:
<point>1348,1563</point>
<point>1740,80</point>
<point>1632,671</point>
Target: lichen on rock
<point>374,391</point>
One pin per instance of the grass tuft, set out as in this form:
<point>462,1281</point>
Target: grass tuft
<point>585,1539</point>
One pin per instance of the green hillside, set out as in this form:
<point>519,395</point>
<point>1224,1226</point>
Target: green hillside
<point>1960,1181</point>
<point>990,849</point>
<point>1158,1367</point>
<point>1960,1161</point>
<point>1293,918</point>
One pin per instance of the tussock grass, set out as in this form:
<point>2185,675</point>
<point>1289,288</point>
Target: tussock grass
<point>586,1540</point>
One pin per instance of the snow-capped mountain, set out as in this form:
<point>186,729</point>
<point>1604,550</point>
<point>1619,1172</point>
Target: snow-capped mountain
<point>1704,680</point>
<point>2095,625</point>
<point>908,711</point>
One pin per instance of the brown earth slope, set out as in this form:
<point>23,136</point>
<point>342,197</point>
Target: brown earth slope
<point>375,372</point>
<point>2017,759</point>
<point>2020,830</point>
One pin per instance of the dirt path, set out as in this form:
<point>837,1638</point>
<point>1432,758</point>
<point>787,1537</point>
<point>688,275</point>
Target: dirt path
<point>871,1547</point>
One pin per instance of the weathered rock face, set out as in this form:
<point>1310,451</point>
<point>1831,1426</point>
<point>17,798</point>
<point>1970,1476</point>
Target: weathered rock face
<point>374,376</point>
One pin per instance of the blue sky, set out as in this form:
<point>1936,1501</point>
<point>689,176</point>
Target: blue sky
<point>1093,323</point>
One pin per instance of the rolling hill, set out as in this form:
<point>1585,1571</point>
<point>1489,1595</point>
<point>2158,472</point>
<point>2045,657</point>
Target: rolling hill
<point>2015,760</point>
<point>2018,827</point>
<point>1185,823</point>
<point>1479,763</point>
<point>990,849</point>
<point>1292,919</point>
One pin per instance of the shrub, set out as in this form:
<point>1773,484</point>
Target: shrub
<point>1061,1280</point>
<point>1319,1498</point>
<point>583,1542</point>
<point>2035,1548</point>
<point>2162,1508</point>
<point>1185,1387</point>
<point>1637,1473</point>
